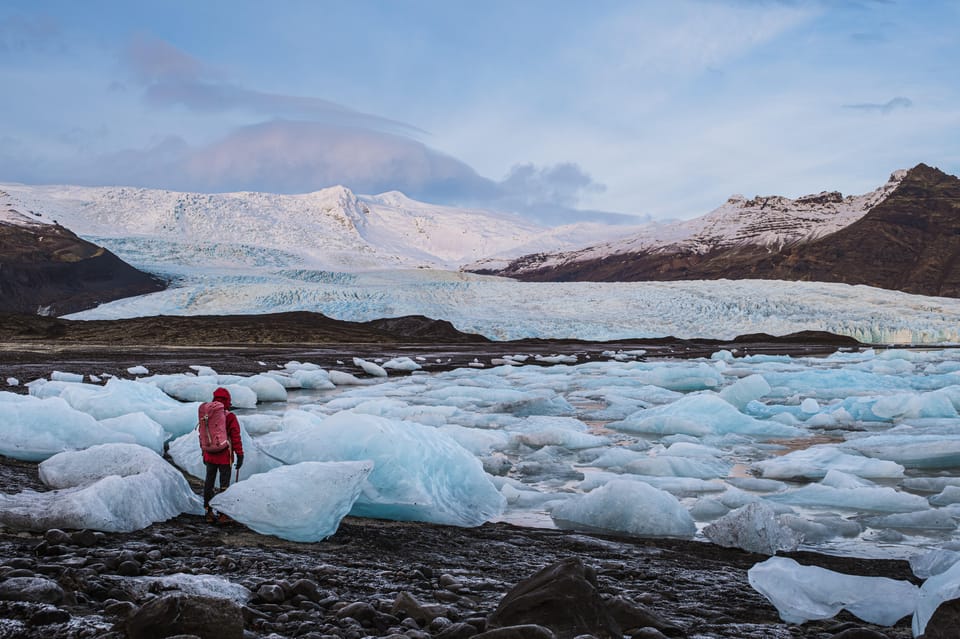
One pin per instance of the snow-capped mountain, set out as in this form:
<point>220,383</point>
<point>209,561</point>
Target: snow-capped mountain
<point>768,221</point>
<point>905,235</point>
<point>328,229</point>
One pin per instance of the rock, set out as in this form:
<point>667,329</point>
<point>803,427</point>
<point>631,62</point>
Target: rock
<point>56,536</point>
<point>85,538</point>
<point>633,616</point>
<point>458,630</point>
<point>861,633</point>
<point>119,608</point>
<point>562,597</point>
<point>648,633</point>
<point>271,593</point>
<point>363,612</point>
<point>524,631</point>
<point>128,569</point>
<point>175,614</point>
<point>944,622</point>
<point>49,615</point>
<point>307,588</point>
<point>406,604</point>
<point>36,589</point>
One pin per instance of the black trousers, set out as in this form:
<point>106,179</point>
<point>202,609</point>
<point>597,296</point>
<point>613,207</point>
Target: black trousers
<point>212,470</point>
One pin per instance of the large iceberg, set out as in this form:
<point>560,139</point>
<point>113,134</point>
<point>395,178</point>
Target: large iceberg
<point>303,502</point>
<point>121,397</point>
<point>631,507</point>
<point>34,429</point>
<point>419,474</point>
<point>108,487</point>
<point>801,593</point>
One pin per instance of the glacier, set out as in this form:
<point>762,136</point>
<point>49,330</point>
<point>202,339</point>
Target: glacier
<point>503,309</point>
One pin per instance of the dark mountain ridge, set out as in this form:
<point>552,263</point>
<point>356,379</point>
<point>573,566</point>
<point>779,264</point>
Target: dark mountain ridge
<point>46,269</point>
<point>909,241</point>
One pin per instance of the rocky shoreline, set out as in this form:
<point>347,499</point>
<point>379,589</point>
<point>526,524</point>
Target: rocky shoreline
<point>394,579</point>
<point>374,578</point>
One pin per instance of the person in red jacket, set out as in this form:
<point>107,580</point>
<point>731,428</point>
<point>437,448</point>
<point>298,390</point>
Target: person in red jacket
<point>219,463</point>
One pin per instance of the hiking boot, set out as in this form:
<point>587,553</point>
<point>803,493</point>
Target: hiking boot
<point>211,517</point>
<point>223,519</point>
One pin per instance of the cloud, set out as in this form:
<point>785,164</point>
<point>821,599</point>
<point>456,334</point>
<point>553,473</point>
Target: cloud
<point>283,156</point>
<point>885,108</point>
<point>551,194</point>
<point>30,34</point>
<point>172,77</point>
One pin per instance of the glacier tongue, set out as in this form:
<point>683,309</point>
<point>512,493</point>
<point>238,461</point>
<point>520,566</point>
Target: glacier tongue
<point>503,309</point>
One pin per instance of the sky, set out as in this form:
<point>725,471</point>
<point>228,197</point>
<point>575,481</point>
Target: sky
<point>559,110</point>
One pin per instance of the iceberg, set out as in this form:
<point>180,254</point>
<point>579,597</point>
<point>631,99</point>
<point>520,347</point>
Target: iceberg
<point>935,591</point>
<point>699,415</point>
<point>754,528</point>
<point>933,562</point>
<point>867,498</point>
<point>419,473</point>
<point>108,487</point>
<point>121,397</point>
<point>801,593</point>
<point>631,507</point>
<point>815,462</point>
<point>303,502</point>
<point>913,451</point>
<point>34,429</point>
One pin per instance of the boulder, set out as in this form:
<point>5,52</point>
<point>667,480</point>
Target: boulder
<point>35,589</point>
<point>562,597</point>
<point>180,614</point>
<point>944,622</point>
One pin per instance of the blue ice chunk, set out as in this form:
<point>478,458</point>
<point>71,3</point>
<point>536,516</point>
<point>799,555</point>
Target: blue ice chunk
<point>420,473</point>
<point>871,498</point>
<point>702,414</point>
<point>933,562</point>
<point>303,502</point>
<point>108,487</point>
<point>34,429</point>
<point>754,528</point>
<point>630,507</point>
<point>801,593</point>
<point>816,461</point>
<point>912,451</point>
<point>935,590</point>
<point>745,390</point>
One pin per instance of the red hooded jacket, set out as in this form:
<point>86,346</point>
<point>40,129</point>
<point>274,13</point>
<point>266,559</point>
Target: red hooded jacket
<point>225,457</point>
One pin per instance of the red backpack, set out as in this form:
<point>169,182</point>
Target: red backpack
<point>213,427</point>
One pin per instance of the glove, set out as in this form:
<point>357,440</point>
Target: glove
<point>239,461</point>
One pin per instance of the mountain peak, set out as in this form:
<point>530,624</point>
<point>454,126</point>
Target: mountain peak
<point>902,236</point>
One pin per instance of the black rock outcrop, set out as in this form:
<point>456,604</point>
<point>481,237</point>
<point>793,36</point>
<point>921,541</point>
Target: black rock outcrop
<point>910,242</point>
<point>46,269</point>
